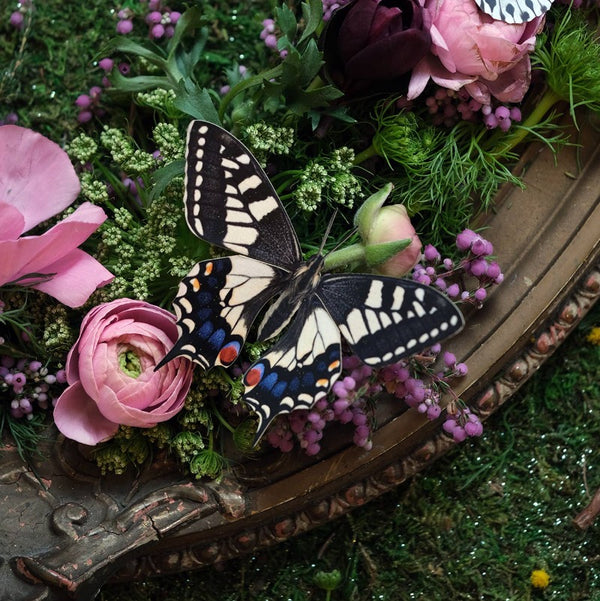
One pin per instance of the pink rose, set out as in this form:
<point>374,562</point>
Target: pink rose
<point>470,49</point>
<point>392,223</point>
<point>110,371</point>
<point>37,181</point>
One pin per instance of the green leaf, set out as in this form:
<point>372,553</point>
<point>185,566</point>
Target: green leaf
<point>312,11</point>
<point>376,254</point>
<point>162,177</point>
<point>189,20</point>
<point>138,84</point>
<point>195,102</point>
<point>128,46</point>
<point>287,22</point>
<point>310,63</point>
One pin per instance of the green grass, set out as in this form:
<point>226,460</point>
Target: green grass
<point>473,526</point>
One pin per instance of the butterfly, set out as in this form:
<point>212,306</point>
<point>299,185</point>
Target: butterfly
<point>514,11</point>
<point>230,202</point>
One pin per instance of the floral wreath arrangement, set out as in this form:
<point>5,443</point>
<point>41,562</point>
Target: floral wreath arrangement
<point>365,120</point>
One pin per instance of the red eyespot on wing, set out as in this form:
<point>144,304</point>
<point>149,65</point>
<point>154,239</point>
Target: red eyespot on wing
<point>229,353</point>
<point>254,375</point>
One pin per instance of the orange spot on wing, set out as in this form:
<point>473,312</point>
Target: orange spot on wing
<point>323,382</point>
<point>208,268</point>
<point>195,284</point>
<point>334,365</point>
<point>253,377</point>
<point>228,355</point>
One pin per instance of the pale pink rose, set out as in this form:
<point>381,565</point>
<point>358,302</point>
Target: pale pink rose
<point>392,223</point>
<point>110,372</point>
<point>37,181</point>
<point>470,49</point>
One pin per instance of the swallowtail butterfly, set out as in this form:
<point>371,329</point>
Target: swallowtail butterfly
<point>230,202</point>
<point>514,11</point>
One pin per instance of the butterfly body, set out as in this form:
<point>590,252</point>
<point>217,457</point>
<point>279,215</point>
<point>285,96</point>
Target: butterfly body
<point>230,202</point>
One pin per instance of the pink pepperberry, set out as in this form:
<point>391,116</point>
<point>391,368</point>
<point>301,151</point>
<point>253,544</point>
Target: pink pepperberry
<point>515,113</point>
<point>430,253</point>
<point>16,19</point>
<point>453,290</point>
<point>459,434</point>
<point>480,294</point>
<point>174,16</point>
<point>434,412</point>
<point>124,27</point>
<point>157,31</point>
<point>106,64</point>
<point>502,112</point>
<point>153,17</point>
<point>83,101</point>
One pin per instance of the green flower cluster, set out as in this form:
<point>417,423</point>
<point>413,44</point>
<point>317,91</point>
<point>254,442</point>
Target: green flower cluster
<point>329,179</point>
<point>264,140</point>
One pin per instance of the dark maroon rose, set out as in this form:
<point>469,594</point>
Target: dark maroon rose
<point>370,44</point>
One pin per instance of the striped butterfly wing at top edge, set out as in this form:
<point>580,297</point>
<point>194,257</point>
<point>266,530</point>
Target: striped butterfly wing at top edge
<point>230,202</point>
<point>298,370</point>
<point>384,319</point>
<point>514,11</point>
<point>217,303</point>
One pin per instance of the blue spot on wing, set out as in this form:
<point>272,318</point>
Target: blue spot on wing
<point>269,381</point>
<point>217,338</point>
<point>279,388</point>
<point>206,329</point>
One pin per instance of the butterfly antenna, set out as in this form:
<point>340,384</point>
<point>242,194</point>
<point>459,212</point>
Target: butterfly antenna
<point>341,242</point>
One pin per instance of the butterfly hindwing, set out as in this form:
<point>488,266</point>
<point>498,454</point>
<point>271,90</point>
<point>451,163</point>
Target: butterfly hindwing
<point>298,370</point>
<point>217,303</point>
<point>514,11</point>
<point>384,319</point>
<point>229,200</point>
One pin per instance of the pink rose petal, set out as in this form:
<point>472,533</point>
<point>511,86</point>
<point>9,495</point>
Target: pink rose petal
<point>36,175</point>
<point>76,415</point>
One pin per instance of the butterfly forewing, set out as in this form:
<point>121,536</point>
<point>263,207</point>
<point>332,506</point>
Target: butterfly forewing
<point>384,319</point>
<point>217,303</point>
<point>514,11</point>
<point>298,370</point>
<point>229,201</point>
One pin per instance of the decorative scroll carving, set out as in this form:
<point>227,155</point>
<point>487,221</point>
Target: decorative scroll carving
<point>548,339</point>
<point>61,549</point>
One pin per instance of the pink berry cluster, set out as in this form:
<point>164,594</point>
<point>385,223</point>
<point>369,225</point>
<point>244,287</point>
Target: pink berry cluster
<point>502,116</point>
<point>17,17</point>
<point>447,107</point>
<point>269,37</point>
<point>451,277</point>
<point>413,380</point>
<point>461,422</point>
<point>89,105</point>
<point>160,19</point>
<point>348,404</point>
<point>29,384</point>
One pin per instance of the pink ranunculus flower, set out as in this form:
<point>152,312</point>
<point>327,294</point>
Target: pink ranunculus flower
<point>110,372</point>
<point>392,223</point>
<point>37,181</point>
<point>470,49</point>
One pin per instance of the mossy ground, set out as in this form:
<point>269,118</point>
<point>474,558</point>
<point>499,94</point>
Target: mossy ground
<point>474,526</point>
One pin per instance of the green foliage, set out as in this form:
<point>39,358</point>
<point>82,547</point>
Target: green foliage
<point>570,58</point>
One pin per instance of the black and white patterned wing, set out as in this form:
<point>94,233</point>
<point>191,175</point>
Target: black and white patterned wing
<point>298,370</point>
<point>215,306</point>
<point>384,319</point>
<point>514,11</point>
<point>230,202</point>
